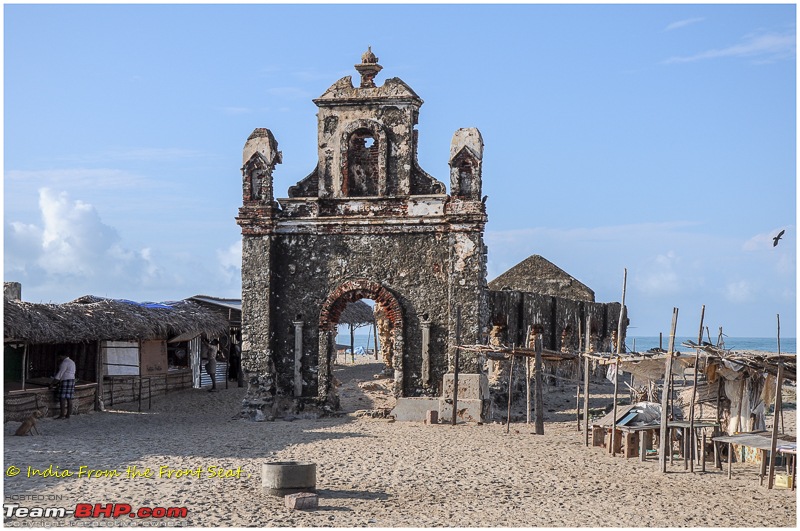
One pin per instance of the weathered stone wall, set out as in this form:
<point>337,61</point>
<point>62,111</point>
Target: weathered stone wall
<point>467,296</point>
<point>256,326</point>
<point>367,222</point>
<point>552,315</point>
<point>309,267</point>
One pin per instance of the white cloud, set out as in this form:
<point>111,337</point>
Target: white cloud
<point>22,246</point>
<point>739,292</point>
<point>73,252</point>
<point>95,178</point>
<point>230,261</point>
<point>683,23</point>
<point>765,47</point>
<point>660,277</point>
<point>73,237</point>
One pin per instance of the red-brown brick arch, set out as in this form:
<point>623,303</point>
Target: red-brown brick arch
<point>352,291</point>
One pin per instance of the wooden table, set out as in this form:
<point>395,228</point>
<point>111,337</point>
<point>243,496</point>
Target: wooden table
<point>687,449</point>
<point>762,443</point>
<point>638,439</point>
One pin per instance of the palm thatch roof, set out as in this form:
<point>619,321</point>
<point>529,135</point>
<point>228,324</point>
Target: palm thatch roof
<point>92,318</point>
<point>536,274</point>
<point>357,314</point>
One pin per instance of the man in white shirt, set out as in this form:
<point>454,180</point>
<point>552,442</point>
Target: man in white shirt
<point>64,381</point>
<point>210,353</point>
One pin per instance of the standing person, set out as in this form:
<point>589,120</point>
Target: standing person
<point>236,360</point>
<point>212,351</point>
<point>64,383</point>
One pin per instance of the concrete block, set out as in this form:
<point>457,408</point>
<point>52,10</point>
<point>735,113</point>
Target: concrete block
<point>302,501</point>
<point>632,444</point>
<point>432,417</point>
<point>414,409</point>
<point>598,436</point>
<point>467,410</point>
<point>279,478</point>
<point>470,386</point>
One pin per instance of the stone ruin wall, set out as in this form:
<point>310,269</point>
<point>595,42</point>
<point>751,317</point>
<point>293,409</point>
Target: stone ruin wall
<point>517,310</point>
<point>302,276</point>
<point>512,312</point>
<point>367,222</point>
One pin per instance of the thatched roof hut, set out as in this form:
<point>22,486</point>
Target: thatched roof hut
<point>357,314</point>
<point>92,318</point>
<point>536,274</point>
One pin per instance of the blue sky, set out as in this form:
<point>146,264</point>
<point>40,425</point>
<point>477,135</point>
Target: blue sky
<point>657,138</point>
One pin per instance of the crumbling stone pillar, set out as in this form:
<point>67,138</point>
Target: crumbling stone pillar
<point>298,358</point>
<point>426,354</point>
<point>386,337</point>
<point>498,370</point>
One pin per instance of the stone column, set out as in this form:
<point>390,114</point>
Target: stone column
<point>398,362</point>
<point>298,358</point>
<point>426,354</point>
<point>326,340</point>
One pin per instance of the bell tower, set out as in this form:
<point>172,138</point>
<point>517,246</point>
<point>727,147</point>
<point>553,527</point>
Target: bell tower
<point>367,222</point>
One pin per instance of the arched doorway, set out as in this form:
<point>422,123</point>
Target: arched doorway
<point>332,308</point>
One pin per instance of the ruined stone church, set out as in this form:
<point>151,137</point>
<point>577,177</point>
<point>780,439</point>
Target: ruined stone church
<point>367,223</point>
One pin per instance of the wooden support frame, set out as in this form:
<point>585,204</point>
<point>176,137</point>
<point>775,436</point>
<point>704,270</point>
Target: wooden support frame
<point>665,441</point>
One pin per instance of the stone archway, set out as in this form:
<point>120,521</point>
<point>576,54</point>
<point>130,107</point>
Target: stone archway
<point>332,308</point>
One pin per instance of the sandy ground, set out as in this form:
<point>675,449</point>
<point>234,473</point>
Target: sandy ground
<point>373,472</point>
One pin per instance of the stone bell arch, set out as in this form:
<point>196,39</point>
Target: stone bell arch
<point>367,222</point>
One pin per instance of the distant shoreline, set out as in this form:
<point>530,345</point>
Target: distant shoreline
<point>643,343</point>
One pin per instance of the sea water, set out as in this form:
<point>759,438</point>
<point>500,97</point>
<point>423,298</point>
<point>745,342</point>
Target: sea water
<point>641,344</point>
<point>766,344</point>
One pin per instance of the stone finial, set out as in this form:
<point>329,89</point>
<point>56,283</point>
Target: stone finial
<point>368,56</point>
<point>368,68</point>
<point>466,161</point>
<point>260,155</point>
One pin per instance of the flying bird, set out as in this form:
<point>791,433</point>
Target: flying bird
<point>776,238</point>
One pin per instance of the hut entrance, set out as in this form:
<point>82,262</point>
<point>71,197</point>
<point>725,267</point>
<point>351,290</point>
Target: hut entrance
<point>360,362</point>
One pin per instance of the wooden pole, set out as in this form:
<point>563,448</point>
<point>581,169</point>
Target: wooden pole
<point>694,388</point>
<point>670,405</point>
<point>622,312</point>
<point>528,398</point>
<point>369,336</point>
<point>739,409</point>
<point>614,417</point>
<point>375,337</point>
<point>774,440</point>
<point>717,460</point>
<point>783,429</point>
<point>777,411</point>
<point>578,405</point>
<point>25,365</point>
<point>510,389</point>
<point>663,442</point>
<point>528,376</point>
<point>616,367</point>
<point>539,402</point>
<point>586,382</point>
<point>455,366</point>
<point>352,344</point>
